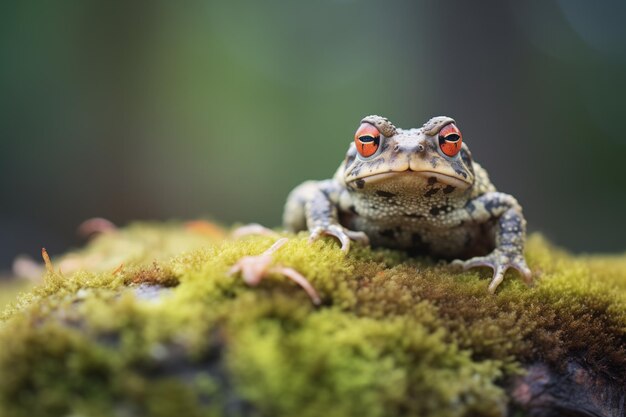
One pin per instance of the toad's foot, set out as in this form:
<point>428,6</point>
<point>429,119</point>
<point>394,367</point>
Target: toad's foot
<point>253,229</point>
<point>500,262</point>
<point>254,268</point>
<point>344,235</point>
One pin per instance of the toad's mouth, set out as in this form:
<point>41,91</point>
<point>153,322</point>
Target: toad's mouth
<point>440,177</point>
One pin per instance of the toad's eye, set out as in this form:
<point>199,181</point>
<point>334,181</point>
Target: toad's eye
<point>450,140</point>
<point>367,140</point>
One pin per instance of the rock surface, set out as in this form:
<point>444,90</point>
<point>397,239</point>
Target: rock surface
<point>573,391</point>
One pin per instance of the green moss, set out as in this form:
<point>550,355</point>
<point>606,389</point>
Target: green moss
<point>9,289</point>
<point>395,336</point>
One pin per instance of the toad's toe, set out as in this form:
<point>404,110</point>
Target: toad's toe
<point>500,262</point>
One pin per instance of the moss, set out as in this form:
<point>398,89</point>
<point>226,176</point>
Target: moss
<point>395,335</point>
<point>10,288</point>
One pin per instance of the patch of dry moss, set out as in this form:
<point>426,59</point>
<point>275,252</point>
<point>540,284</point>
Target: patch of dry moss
<point>395,336</point>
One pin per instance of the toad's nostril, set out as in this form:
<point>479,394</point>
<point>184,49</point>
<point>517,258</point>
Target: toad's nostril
<point>396,148</point>
<point>420,148</point>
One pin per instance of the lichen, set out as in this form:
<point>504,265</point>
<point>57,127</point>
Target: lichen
<point>394,336</point>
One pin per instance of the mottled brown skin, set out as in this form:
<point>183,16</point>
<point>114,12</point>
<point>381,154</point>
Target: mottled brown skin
<point>409,195</point>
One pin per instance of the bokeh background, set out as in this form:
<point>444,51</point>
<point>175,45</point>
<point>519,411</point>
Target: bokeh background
<point>161,110</point>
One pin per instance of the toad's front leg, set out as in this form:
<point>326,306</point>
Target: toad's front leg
<point>509,239</point>
<point>313,206</point>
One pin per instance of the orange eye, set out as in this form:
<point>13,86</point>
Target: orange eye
<point>367,140</point>
<point>450,139</point>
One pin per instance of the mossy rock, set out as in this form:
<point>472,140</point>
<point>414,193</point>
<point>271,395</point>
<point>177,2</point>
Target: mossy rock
<point>146,321</point>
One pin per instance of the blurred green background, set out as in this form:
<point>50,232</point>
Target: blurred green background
<point>159,110</point>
